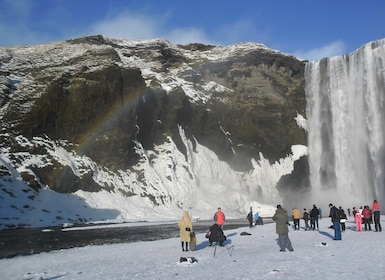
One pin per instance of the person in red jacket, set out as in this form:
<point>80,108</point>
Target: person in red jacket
<point>367,215</point>
<point>219,217</point>
<point>376,214</point>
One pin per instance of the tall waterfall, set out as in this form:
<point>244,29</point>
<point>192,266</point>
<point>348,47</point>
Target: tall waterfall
<point>346,127</point>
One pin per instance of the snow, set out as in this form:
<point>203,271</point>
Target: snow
<point>358,256</point>
<point>168,177</point>
<point>301,121</point>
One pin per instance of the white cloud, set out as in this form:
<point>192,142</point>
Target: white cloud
<point>188,35</point>
<point>140,26</point>
<point>129,25</point>
<point>134,25</point>
<point>332,49</point>
<point>246,28</point>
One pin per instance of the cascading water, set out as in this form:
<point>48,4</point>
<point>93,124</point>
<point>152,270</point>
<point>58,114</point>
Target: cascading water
<point>346,126</point>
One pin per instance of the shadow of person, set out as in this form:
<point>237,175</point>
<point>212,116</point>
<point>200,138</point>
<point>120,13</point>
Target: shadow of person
<point>202,245</point>
<point>231,234</point>
<point>326,234</point>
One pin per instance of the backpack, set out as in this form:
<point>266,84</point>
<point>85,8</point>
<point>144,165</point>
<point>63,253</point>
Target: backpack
<point>342,214</point>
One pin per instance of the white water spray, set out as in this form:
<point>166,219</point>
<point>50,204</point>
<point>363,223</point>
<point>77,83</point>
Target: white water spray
<point>346,123</point>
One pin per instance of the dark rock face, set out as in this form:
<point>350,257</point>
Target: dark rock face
<point>72,106</point>
<point>267,90</point>
<point>86,92</point>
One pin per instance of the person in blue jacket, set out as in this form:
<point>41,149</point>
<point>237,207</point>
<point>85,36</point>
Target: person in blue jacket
<point>258,219</point>
<point>256,216</point>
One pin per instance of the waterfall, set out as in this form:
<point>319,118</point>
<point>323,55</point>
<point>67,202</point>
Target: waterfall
<point>346,127</point>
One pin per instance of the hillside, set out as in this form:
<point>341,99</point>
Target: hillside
<point>137,127</point>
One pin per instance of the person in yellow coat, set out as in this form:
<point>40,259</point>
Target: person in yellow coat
<point>185,228</point>
<point>296,218</point>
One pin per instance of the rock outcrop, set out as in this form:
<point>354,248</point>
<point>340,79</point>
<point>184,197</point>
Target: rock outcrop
<point>104,96</point>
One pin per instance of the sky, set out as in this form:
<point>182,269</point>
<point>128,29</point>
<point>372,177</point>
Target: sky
<point>307,29</point>
<point>359,255</point>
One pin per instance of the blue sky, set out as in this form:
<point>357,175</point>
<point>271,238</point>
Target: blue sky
<point>305,28</point>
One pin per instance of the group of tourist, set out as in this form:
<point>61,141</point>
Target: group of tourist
<point>364,215</point>
<point>281,219</point>
<point>215,234</point>
<point>254,219</point>
<point>311,216</point>
<point>367,216</point>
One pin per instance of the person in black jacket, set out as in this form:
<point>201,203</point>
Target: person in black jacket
<point>314,213</point>
<point>306,217</point>
<point>343,219</point>
<point>216,235</point>
<point>335,216</point>
<point>250,218</point>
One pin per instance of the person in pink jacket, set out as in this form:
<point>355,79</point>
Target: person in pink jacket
<point>358,221</point>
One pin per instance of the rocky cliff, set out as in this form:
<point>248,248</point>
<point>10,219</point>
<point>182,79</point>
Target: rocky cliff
<point>102,98</point>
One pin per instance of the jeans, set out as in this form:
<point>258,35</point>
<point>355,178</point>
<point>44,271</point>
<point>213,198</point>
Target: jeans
<point>283,241</point>
<point>377,224</point>
<point>337,231</point>
<point>314,223</point>
<point>296,224</point>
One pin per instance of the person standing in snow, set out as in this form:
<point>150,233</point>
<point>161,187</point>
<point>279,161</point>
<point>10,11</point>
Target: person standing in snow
<point>357,219</point>
<point>335,216</point>
<point>296,218</point>
<point>343,219</point>
<point>376,214</point>
<point>367,216</point>
<point>355,211</point>
<point>314,213</point>
<point>306,218</point>
<point>250,218</point>
<point>219,217</point>
<point>281,225</point>
<point>185,228</point>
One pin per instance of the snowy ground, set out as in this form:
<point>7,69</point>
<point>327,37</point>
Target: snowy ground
<point>358,256</point>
